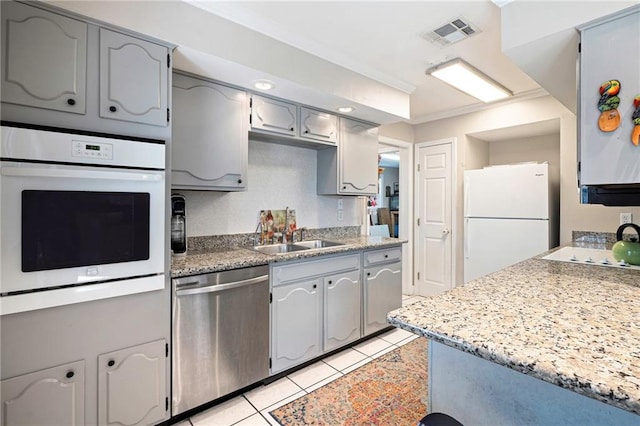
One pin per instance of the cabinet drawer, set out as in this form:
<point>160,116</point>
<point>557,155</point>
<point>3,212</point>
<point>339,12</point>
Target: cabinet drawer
<point>311,268</point>
<point>374,257</point>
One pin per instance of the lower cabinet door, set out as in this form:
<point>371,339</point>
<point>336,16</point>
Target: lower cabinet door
<point>132,385</point>
<point>341,309</point>
<point>296,324</point>
<point>54,396</point>
<point>382,293</point>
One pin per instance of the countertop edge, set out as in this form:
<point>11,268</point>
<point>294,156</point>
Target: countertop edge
<point>241,257</point>
<point>598,391</point>
<point>553,379</point>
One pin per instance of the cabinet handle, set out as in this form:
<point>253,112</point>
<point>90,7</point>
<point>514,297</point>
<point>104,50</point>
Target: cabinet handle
<point>292,129</point>
<point>69,374</point>
<point>368,274</point>
<point>330,281</point>
<point>113,108</point>
<point>239,180</point>
<point>344,187</point>
<point>306,131</point>
<point>386,255</point>
<point>71,101</point>
<point>314,286</point>
<point>111,363</point>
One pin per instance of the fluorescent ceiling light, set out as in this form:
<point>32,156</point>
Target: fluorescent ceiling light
<point>463,76</point>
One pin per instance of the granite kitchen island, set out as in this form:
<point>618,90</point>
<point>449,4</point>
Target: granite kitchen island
<point>540,342</point>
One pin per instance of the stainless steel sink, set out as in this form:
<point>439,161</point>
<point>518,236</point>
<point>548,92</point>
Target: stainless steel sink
<point>316,244</point>
<point>278,248</point>
<point>293,247</point>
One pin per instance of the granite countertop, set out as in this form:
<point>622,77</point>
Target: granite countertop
<point>575,326</point>
<point>233,257</point>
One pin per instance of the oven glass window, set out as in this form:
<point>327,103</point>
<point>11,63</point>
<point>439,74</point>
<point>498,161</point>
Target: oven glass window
<point>66,229</point>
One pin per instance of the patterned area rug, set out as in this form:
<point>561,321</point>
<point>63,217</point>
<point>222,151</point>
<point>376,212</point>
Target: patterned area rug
<point>390,390</point>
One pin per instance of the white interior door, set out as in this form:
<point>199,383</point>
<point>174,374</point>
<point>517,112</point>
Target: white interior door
<point>434,248</point>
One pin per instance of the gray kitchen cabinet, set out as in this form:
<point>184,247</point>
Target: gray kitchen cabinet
<point>608,158</point>
<point>318,125</point>
<point>210,135</point>
<point>296,313</point>
<point>64,70</point>
<point>342,294</point>
<point>273,116</point>
<point>308,297</point>
<point>54,396</point>
<point>44,57</point>
<point>133,79</point>
<point>352,167</point>
<point>132,385</point>
<point>382,280</point>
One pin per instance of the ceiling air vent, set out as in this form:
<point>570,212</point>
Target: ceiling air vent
<point>451,32</point>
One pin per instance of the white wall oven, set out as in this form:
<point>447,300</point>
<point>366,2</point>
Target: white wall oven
<point>82,218</point>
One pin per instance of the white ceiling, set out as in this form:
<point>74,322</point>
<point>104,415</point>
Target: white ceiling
<point>384,41</point>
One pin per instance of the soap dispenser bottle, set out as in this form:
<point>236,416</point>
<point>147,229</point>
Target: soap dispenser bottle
<point>178,225</point>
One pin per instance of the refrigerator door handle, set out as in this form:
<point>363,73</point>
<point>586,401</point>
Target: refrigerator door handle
<point>466,188</point>
<point>466,239</point>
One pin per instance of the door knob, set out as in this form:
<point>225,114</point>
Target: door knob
<point>446,231</point>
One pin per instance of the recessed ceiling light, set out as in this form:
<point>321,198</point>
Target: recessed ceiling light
<point>345,109</point>
<point>466,78</point>
<point>264,84</point>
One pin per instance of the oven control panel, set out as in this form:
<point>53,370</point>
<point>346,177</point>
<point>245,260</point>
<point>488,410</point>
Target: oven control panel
<point>95,150</point>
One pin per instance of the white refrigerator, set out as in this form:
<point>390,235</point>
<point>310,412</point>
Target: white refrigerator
<point>507,215</point>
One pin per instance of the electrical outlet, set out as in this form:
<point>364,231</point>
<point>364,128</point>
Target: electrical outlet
<point>626,218</point>
<point>340,216</point>
<point>340,204</point>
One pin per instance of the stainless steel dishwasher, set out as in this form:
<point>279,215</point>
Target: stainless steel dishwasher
<point>220,334</point>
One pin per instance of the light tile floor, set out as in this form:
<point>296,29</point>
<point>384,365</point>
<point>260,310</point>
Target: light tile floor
<point>253,407</point>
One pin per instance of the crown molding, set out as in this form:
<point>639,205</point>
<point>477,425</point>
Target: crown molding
<point>468,109</point>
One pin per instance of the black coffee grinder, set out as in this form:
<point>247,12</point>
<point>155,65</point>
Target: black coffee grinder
<point>178,225</point>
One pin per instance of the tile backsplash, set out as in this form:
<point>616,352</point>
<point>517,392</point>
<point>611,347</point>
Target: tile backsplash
<point>279,176</point>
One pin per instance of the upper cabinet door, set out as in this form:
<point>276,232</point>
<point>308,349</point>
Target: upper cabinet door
<point>133,79</point>
<point>319,126</point>
<point>273,116</point>
<point>210,135</point>
<point>44,59</point>
<point>358,158</point>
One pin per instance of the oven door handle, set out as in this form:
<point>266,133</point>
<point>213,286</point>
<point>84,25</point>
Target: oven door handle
<point>83,174</point>
<point>220,287</point>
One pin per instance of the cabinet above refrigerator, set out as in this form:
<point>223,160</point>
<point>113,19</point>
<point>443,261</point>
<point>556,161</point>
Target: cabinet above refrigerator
<point>608,158</point>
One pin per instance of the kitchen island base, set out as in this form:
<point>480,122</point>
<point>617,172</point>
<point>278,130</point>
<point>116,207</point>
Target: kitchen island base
<point>477,391</point>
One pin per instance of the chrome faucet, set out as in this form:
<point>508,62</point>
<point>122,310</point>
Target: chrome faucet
<point>286,225</point>
<point>293,234</point>
<point>257,241</point>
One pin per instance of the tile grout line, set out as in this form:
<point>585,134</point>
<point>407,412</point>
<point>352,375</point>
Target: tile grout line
<point>275,404</point>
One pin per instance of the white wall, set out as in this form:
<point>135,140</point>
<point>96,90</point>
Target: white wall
<point>278,176</point>
<point>400,131</point>
<point>573,215</point>
<point>540,37</point>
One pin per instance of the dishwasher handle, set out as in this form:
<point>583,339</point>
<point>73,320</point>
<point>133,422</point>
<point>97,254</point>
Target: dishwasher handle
<point>220,287</point>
